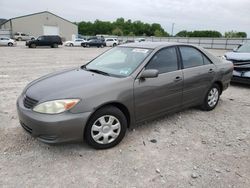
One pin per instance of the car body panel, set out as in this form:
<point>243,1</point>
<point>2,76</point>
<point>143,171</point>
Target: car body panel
<point>111,42</point>
<point>76,42</point>
<point>4,41</point>
<point>45,40</point>
<point>94,42</point>
<point>157,95</point>
<point>241,61</point>
<point>143,98</point>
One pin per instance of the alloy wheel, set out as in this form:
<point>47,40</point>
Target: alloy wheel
<point>213,97</point>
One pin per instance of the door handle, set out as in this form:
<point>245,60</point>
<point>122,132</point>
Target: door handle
<point>177,79</point>
<point>211,71</point>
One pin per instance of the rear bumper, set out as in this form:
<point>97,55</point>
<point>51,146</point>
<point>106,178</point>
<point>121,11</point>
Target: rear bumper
<point>64,127</point>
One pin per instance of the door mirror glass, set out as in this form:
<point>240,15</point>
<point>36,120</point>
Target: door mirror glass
<point>149,73</point>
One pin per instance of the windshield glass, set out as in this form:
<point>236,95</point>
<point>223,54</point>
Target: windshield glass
<point>245,48</point>
<point>119,61</point>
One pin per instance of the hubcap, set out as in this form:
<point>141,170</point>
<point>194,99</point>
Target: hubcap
<point>213,97</point>
<point>105,129</point>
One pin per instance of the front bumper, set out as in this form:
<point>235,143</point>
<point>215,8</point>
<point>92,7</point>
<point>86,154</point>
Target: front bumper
<point>238,79</point>
<point>241,77</point>
<point>64,127</point>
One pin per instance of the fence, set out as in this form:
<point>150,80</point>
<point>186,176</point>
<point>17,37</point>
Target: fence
<point>212,43</point>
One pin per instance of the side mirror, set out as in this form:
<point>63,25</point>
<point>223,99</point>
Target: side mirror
<point>149,73</point>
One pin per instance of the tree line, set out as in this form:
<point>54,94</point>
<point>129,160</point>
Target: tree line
<point>213,34</point>
<point>122,27</point>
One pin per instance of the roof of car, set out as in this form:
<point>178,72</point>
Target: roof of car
<point>150,45</point>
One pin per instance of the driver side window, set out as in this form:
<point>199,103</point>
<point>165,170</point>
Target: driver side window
<point>164,61</point>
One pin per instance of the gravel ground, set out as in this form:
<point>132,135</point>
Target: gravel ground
<point>191,148</point>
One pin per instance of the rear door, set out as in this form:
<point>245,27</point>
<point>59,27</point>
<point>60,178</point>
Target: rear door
<point>155,96</point>
<point>198,72</point>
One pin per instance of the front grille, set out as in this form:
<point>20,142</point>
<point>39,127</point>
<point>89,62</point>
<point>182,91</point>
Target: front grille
<point>29,102</point>
<point>26,128</point>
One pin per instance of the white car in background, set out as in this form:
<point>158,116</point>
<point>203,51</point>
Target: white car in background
<point>23,37</point>
<point>76,42</point>
<point>111,41</point>
<point>5,41</point>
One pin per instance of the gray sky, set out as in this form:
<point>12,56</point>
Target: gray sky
<point>221,15</point>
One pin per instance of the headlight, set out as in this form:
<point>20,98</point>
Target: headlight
<point>56,106</point>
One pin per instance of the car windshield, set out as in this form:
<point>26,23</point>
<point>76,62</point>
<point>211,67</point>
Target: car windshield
<point>245,48</point>
<point>119,61</point>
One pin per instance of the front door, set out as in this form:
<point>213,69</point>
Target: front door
<point>155,96</point>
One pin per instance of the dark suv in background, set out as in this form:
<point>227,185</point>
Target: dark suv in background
<point>46,40</point>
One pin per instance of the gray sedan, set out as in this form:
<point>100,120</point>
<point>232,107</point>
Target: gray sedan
<point>126,85</point>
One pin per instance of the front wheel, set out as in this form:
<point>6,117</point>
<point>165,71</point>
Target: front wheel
<point>106,128</point>
<point>10,44</point>
<point>32,46</point>
<point>212,98</point>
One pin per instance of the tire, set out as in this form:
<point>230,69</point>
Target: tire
<point>54,46</point>
<point>32,46</point>
<point>19,38</point>
<point>102,46</point>
<point>87,46</point>
<point>110,134</point>
<point>114,44</point>
<point>10,44</point>
<point>212,98</point>
<point>71,44</point>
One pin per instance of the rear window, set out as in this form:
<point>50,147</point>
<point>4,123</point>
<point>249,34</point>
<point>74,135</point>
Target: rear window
<point>191,57</point>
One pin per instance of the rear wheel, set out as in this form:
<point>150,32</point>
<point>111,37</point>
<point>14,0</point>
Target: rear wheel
<point>106,128</point>
<point>212,98</point>
<point>10,44</point>
<point>71,44</point>
<point>19,38</point>
<point>114,44</point>
<point>54,45</point>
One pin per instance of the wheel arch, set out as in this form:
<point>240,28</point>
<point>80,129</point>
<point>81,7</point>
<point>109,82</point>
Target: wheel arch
<point>118,105</point>
<point>219,83</point>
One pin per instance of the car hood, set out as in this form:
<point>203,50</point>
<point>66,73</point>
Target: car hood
<point>237,56</point>
<point>74,83</point>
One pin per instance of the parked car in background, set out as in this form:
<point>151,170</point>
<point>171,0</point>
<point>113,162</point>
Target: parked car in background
<point>22,36</point>
<point>76,42</point>
<point>126,85</point>
<point>46,40</point>
<point>111,42</point>
<point>5,41</point>
<point>241,60</point>
<point>129,41</point>
<point>140,40</point>
<point>94,42</point>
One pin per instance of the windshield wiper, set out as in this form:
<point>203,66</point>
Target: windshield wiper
<point>97,71</point>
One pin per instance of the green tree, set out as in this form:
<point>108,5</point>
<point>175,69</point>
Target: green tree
<point>235,34</point>
<point>117,31</point>
<point>158,33</point>
<point>204,33</point>
<point>121,27</point>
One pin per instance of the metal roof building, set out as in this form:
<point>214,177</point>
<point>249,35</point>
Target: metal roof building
<point>41,23</point>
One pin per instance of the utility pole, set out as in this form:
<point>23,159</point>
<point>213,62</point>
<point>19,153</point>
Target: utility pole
<point>172,33</point>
